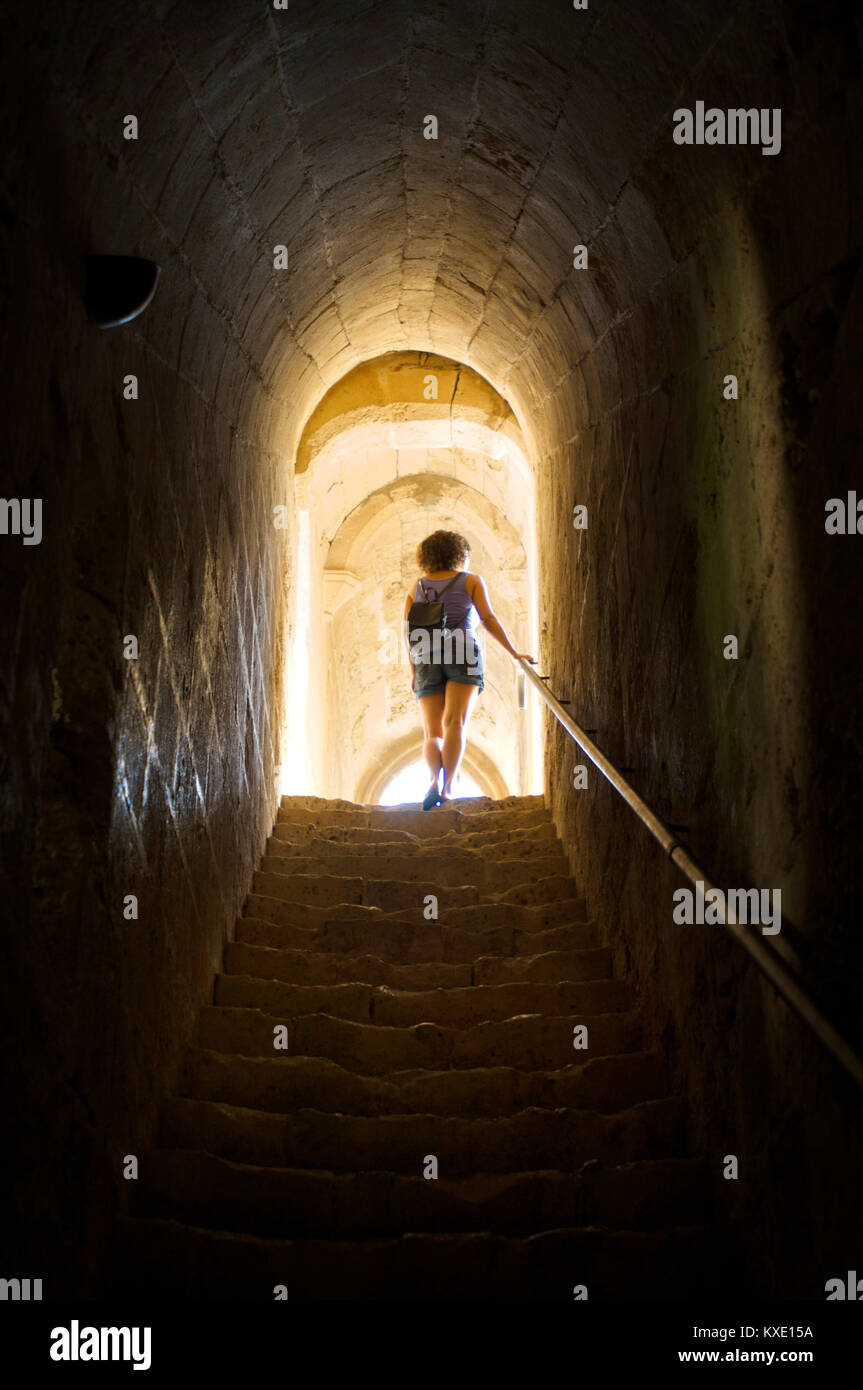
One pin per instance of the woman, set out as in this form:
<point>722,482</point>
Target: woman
<point>447,686</point>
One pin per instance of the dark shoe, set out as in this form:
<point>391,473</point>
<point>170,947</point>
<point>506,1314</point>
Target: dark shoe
<point>432,797</point>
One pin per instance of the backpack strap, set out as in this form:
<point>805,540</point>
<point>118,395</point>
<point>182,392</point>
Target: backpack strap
<point>443,590</point>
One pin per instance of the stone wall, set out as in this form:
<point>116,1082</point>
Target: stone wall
<point>149,777</point>
<point>706,518</point>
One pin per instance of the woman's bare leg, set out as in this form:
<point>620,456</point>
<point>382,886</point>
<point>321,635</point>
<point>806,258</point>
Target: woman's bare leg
<point>432,709</point>
<point>458,703</point>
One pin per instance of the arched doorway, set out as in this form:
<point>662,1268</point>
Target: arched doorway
<point>403,446</point>
<point>411,784</point>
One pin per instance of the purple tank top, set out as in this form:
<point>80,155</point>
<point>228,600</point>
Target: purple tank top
<point>460,611</point>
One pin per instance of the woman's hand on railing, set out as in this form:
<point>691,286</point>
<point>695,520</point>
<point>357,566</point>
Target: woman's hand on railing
<point>522,656</point>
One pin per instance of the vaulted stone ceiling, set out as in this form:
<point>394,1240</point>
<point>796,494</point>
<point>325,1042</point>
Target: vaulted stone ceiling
<point>304,128</point>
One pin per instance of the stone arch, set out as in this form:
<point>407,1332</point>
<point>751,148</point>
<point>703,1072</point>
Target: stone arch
<point>367,569</point>
<point>374,779</point>
<point>378,466</point>
<point>392,388</point>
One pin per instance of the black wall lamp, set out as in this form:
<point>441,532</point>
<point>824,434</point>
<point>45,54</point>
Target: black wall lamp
<point>118,288</point>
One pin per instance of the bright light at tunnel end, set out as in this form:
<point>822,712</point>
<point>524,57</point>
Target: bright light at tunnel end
<point>346,557</point>
<point>411,784</point>
<point>295,777</point>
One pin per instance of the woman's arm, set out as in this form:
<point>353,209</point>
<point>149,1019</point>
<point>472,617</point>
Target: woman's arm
<point>482,603</point>
<point>408,601</point>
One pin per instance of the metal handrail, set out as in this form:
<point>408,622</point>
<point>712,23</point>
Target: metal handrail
<point>769,963</point>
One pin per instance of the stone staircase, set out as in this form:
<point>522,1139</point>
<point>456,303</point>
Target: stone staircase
<point>412,1040</point>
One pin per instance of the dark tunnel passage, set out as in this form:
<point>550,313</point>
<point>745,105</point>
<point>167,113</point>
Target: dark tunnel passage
<point>154,778</point>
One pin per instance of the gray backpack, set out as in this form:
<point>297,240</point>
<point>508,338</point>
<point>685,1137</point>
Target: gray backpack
<point>428,615</point>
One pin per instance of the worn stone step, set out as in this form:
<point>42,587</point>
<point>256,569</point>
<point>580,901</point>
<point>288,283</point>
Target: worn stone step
<point>449,869</point>
<point>405,942</point>
<point>389,894</point>
<point>476,805</point>
<point>160,1259</point>
<point>529,1042</point>
<point>351,812</point>
<point>472,917</point>
<point>532,1140</point>
<point>467,814</point>
<point>325,968</point>
<point>283,1084</point>
<point>415,820</point>
<point>393,895</point>
<point>543,966</point>
<point>311,839</point>
<point>452,1008</point>
<point>545,891</point>
<point>203,1189</point>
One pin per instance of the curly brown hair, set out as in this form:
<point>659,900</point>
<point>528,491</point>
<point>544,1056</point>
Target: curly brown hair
<point>442,550</point>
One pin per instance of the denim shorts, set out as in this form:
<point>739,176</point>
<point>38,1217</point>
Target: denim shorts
<point>431,677</point>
